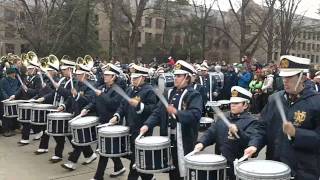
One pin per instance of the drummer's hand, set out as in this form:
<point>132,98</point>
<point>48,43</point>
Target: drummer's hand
<point>171,109</point>
<point>215,94</point>
<point>144,129</point>
<point>250,151</point>
<point>198,147</point>
<point>289,129</point>
<point>98,92</point>
<point>74,92</point>
<point>113,120</point>
<point>40,99</point>
<point>134,102</point>
<point>12,97</point>
<point>84,112</point>
<point>55,85</point>
<point>60,108</point>
<point>233,129</point>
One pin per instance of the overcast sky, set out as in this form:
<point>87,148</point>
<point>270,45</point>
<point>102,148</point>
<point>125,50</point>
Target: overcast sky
<point>309,7</point>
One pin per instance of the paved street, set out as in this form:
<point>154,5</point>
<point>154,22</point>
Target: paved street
<point>20,163</point>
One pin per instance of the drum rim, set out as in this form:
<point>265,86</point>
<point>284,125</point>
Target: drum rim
<point>36,106</point>
<point>37,123</point>
<point>83,144</point>
<point>154,171</point>
<point>126,131</point>
<point>10,116</point>
<point>14,102</point>
<point>95,122</point>
<point>54,115</point>
<point>25,105</point>
<point>114,155</point>
<point>23,120</point>
<point>213,165</point>
<point>247,174</point>
<point>139,144</point>
<point>58,134</point>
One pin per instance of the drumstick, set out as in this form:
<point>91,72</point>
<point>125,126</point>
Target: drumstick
<point>75,118</point>
<point>41,78</point>
<point>223,118</point>
<point>104,125</point>
<point>281,111</point>
<point>51,79</point>
<point>71,81</point>
<point>192,153</point>
<point>89,86</point>
<point>22,84</point>
<point>243,158</point>
<point>139,136</point>
<point>162,99</point>
<point>120,91</point>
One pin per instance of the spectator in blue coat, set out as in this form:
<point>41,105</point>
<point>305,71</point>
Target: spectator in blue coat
<point>9,86</point>
<point>244,78</point>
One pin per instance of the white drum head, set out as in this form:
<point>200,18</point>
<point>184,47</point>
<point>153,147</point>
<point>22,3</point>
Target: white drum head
<point>154,140</point>
<point>42,106</point>
<point>113,129</point>
<point>263,167</point>
<point>85,121</point>
<point>206,120</point>
<point>224,102</point>
<point>206,158</point>
<point>59,115</point>
<point>213,104</point>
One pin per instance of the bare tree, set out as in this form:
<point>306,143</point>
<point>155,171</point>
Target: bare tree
<point>289,24</point>
<point>202,14</point>
<point>246,43</point>
<point>38,29</point>
<point>135,21</point>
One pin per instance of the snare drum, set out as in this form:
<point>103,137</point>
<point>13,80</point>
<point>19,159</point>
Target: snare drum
<point>39,113</point>
<point>10,108</point>
<point>225,105</point>
<point>84,130</point>
<point>58,124</point>
<point>114,141</point>
<point>24,112</point>
<point>205,123</point>
<point>262,170</point>
<point>206,167</point>
<point>209,108</point>
<point>153,154</point>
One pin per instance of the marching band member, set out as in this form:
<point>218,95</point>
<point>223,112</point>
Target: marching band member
<point>295,140</point>
<point>33,86</point>
<point>136,111</point>
<point>59,98</point>
<point>79,97</point>
<point>186,105</point>
<point>243,123</point>
<point>210,83</point>
<point>106,103</point>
